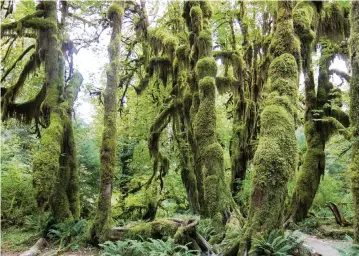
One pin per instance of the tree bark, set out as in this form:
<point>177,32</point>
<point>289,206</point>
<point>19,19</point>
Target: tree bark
<point>102,221</point>
<point>354,111</point>
<point>276,157</point>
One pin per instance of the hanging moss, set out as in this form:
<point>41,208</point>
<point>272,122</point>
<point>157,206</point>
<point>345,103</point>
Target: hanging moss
<point>196,19</point>
<point>333,21</point>
<point>162,41</point>
<point>25,112</point>
<point>224,84</point>
<point>206,67</point>
<point>305,17</point>
<point>162,66</point>
<point>204,44</point>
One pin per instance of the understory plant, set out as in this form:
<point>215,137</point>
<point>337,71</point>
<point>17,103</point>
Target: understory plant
<point>275,244</point>
<point>152,247</point>
<point>68,234</point>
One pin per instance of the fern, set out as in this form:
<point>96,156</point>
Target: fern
<point>205,228</point>
<point>350,249</point>
<point>68,234</point>
<point>275,244</point>
<point>152,247</point>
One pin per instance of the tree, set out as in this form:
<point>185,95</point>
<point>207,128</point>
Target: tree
<point>354,110</point>
<point>323,117</point>
<point>276,157</point>
<point>55,171</point>
<point>102,220</point>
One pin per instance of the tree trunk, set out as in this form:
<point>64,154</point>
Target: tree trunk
<point>214,195</point>
<point>318,110</point>
<point>354,110</point>
<point>276,157</point>
<point>102,222</point>
<point>55,171</point>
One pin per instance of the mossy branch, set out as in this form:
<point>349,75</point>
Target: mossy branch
<point>16,61</point>
<point>25,112</point>
<point>340,73</point>
<point>157,127</point>
<point>73,87</point>
<point>24,22</point>
<point>32,64</point>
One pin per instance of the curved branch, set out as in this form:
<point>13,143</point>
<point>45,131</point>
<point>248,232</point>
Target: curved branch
<point>9,49</point>
<point>33,63</point>
<point>341,74</point>
<point>16,61</point>
<point>24,112</point>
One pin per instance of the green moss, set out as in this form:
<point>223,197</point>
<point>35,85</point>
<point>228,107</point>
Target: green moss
<point>285,41</point>
<point>204,44</point>
<point>333,20</point>
<point>275,159</point>
<point>211,194</point>
<point>206,9</point>
<point>115,11</point>
<point>304,18</point>
<point>206,67</point>
<point>196,19</point>
<point>224,84</point>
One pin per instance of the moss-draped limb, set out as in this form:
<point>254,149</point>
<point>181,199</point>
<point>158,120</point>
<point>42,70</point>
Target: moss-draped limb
<point>27,111</point>
<point>321,118</point>
<point>25,22</point>
<point>354,111</point>
<point>102,221</point>
<point>275,159</point>
<point>16,61</point>
<point>157,127</point>
<point>334,21</point>
<point>31,65</point>
<point>188,176</point>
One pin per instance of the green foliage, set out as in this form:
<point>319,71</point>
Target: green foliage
<point>152,247</point>
<point>206,228</point>
<point>68,234</point>
<point>309,225</point>
<point>17,193</point>
<point>88,162</point>
<point>275,244</point>
<point>349,249</point>
<point>38,223</point>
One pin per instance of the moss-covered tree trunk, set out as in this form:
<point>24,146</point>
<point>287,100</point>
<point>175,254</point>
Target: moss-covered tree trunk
<point>304,15</point>
<point>214,196</point>
<point>322,118</point>
<point>276,157</point>
<point>102,221</point>
<point>354,110</point>
<point>55,171</point>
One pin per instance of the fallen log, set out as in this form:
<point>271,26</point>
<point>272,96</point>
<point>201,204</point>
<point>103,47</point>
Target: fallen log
<point>183,232</point>
<point>36,248</point>
<point>339,217</point>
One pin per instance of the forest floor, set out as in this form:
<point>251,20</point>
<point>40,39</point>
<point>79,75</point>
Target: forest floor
<point>322,246</point>
<point>325,247</point>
